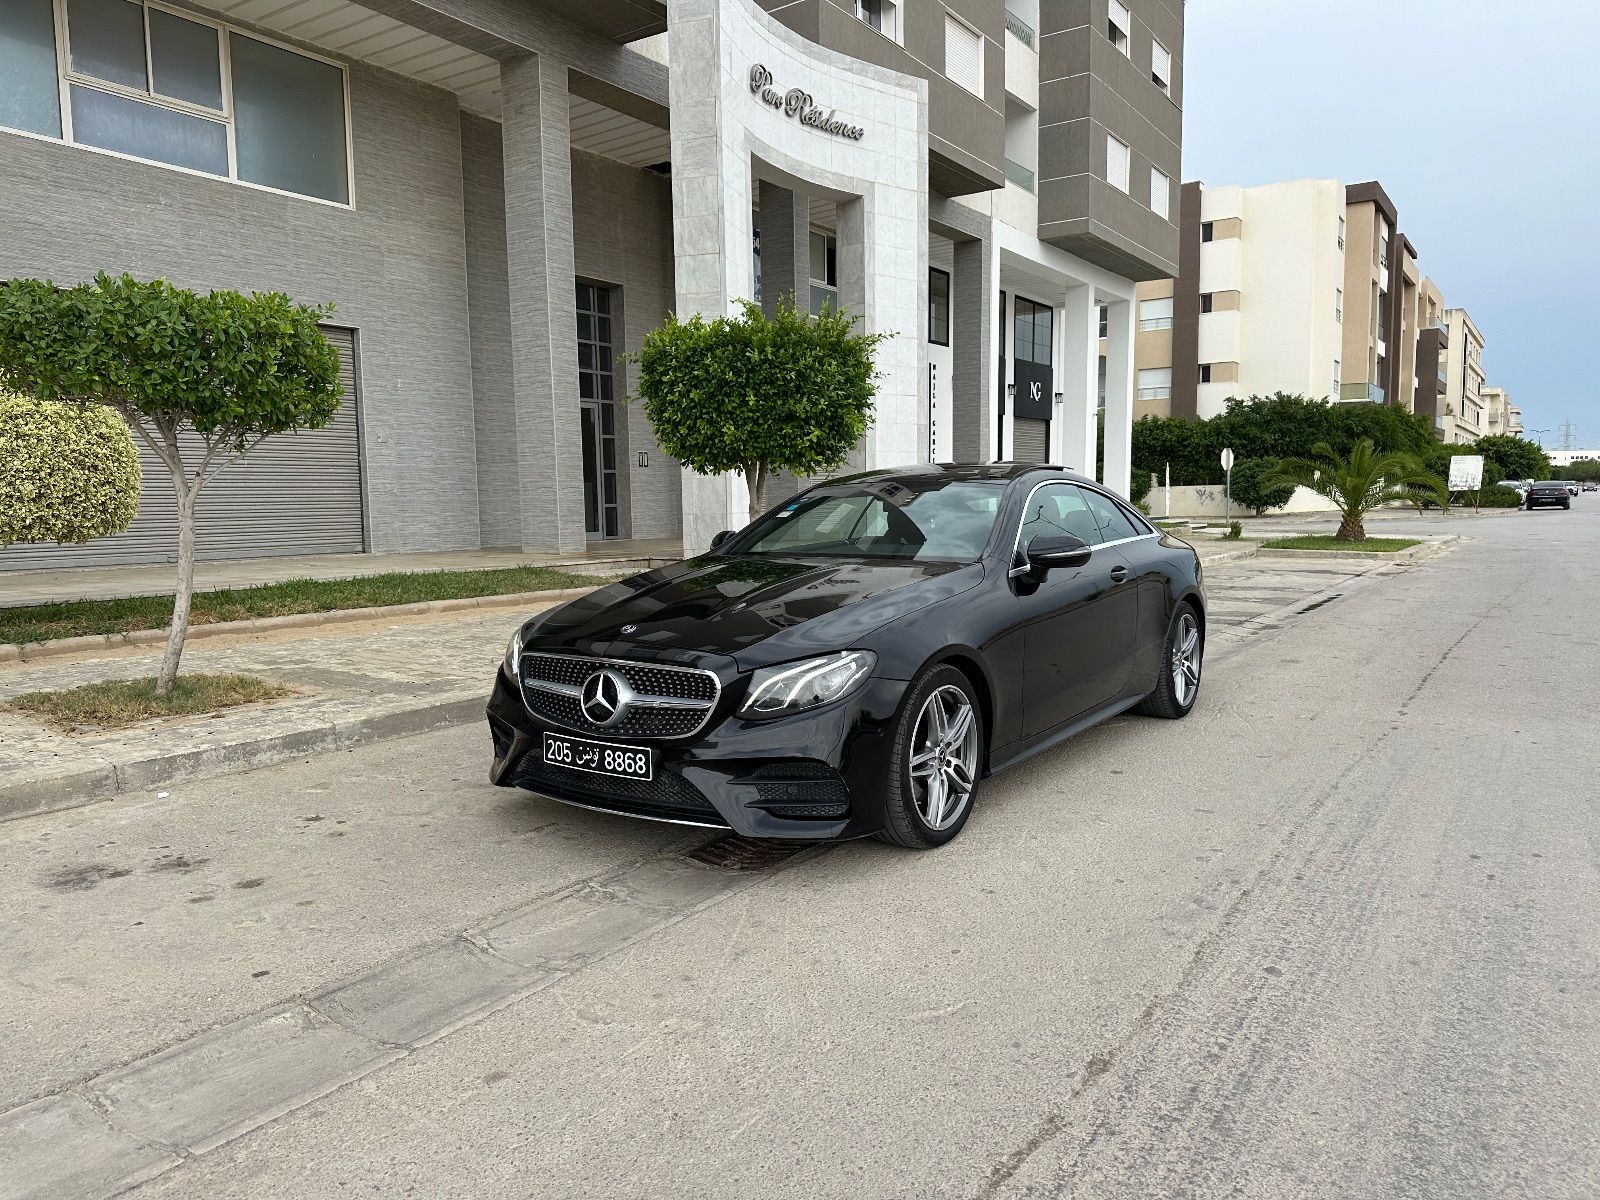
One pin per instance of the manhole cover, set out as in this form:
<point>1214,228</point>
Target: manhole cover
<point>737,853</point>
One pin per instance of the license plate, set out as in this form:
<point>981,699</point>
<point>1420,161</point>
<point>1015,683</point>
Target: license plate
<point>598,758</point>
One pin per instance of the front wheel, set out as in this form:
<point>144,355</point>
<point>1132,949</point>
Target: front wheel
<point>1178,683</point>
<point>938,755</point>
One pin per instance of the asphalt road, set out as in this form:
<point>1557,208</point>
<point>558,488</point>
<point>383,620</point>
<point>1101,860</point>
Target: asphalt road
<point>1333,935</point>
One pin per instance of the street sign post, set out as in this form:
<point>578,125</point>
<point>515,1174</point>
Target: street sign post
<point>1466,475</point>
<point>1227,485</point>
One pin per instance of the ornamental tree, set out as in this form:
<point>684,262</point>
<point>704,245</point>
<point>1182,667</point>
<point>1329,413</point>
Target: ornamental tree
<point>1359,482</point>
<point>200,379</point>
<point>67,473</point>
<point>756,394</point>
<point>1516,457</point>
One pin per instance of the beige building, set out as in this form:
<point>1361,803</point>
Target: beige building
<point>1500,415</point>
<point>1463,417</point>
<point>1305,287</point>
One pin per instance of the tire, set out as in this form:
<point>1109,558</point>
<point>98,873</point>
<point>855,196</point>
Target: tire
<point>910,796</point>
<point>1168,699</point>
<point>1566,506</point>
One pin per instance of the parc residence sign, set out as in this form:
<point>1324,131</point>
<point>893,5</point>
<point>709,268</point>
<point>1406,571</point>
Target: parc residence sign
<point>798,104</point>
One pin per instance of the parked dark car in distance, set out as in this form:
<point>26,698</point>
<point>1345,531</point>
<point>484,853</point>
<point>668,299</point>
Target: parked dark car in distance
<point>1547,492</point>
<point>858,659</point>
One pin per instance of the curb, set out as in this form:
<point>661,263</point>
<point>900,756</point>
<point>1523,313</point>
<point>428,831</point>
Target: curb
<point>33,651</point>
<point>1410,554</point>
<point>107,779</point>
<point>1233,555</point>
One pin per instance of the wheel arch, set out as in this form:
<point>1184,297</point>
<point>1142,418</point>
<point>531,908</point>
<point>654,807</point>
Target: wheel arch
<point>969,664</point>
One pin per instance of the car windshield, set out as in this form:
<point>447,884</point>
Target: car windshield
<point>930,519</point>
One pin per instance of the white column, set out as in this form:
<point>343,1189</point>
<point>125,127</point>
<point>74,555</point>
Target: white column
<point>1080,379</point>
<point>1119,396</point>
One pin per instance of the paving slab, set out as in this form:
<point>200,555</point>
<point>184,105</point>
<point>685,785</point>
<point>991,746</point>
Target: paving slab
<point>62,1148</point>
<point>570,930</point>
<point>420,998</point>
<point>212,1088</point>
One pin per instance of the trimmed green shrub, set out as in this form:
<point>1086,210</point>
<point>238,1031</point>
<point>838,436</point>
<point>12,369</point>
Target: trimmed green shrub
<point>1250,489</point>
<point>755,394</point>
<point>67,474</point>
<point>1492,496</point>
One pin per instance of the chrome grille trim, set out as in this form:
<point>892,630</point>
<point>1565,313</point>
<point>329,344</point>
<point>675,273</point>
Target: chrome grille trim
<point>697,682</point>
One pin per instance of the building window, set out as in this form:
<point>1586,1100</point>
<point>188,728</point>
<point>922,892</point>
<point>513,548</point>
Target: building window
<point>1383,249</point>
<point>938,306</point>
<point>1118,160</point>
<point>1119,25</point>
<point>1341,233</point>
<point>882,15</point>
<point>1161,66</point>
<point>963,55</point>
<point>1155,383</point>
<point>1207,301</point>
<point>1105,322</point>
<point>824,272</point>
<point>1205,372</point>
<point>1155,314</point>
<point>154,84</point>
<point>1207,231</point>
<point>1032,326</point>
<point>1338,305</point>
<point>1160,194</point>
<point>1336,379</point>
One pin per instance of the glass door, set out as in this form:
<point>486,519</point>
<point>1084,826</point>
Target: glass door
<point>601,501</point>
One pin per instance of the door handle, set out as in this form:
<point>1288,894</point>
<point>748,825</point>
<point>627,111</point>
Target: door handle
<point>1118,574</point>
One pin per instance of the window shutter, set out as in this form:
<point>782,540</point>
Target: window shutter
<point>1116,163</point>
<point>1160,194</point>
<point>1161,64</point>
<point>963,55</point>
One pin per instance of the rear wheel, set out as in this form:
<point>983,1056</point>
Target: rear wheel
<point>1178,682</point>
<point>938,754</point>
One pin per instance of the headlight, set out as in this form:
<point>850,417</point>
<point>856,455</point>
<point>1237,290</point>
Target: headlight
<point>795,687</point>
<point>514,652</point>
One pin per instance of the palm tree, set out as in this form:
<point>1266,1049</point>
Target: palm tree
<point>1359,483</point>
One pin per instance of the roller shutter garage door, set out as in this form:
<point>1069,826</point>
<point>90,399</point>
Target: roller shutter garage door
<point>1030,440</point>
<point>295,493</point>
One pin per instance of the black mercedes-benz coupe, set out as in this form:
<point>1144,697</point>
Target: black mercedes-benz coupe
<point>1548,492</point>
<point>858,659</point>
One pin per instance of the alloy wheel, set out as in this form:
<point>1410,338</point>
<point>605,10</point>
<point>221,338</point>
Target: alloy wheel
<point>944,757</point>
<point>1186,660</point>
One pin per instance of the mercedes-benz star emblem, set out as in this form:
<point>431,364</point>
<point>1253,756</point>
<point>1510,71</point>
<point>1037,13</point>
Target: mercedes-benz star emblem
<point>630,629</point>
<point>605,697</point>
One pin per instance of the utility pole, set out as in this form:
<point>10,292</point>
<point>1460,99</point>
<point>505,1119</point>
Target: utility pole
<point>1569,437</point>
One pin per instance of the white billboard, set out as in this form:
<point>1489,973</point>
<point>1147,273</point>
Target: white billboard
<point>1466,472</point>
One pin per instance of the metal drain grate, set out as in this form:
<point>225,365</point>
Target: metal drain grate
<point>737,853</point>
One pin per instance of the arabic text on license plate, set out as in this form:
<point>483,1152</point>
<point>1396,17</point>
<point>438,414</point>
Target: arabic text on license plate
<point>599,758</point>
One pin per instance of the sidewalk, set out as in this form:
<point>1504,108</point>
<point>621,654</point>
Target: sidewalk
<point>155,579</point>
<point>357,682</point>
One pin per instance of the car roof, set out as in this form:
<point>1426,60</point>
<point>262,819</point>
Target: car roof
<point>999,471</point>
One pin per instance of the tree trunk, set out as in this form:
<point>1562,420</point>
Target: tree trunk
<point>184,593</point>
<point>1351,529</point>
<point>755,479</point>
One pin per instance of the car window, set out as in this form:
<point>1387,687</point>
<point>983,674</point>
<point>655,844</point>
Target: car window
<point>886,518</point>
<point>1114,523</point>
<point>1054,509</point>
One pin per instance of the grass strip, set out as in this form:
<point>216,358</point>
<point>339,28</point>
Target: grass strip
<point>119,703</point>
<point>1318,541</point>
<point>76,618</point>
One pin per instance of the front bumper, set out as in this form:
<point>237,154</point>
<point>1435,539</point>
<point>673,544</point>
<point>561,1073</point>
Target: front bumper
<point>816,776</point>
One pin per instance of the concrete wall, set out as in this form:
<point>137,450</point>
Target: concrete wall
<point>394,265</point>
<point>1208,500</point>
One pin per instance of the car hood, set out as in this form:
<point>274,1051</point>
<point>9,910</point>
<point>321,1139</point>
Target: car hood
<point>756,610</point>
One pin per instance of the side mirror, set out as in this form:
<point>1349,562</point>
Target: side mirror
<point>722,537</point>
<point>1057,550</point>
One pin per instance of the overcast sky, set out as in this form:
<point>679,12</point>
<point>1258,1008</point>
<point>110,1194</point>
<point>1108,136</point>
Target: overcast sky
<point>1482,122</point>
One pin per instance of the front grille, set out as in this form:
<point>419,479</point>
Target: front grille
<point>668,791</point>
<point>551,683</point>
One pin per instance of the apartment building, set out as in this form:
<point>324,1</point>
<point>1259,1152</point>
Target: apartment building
<point>1305,286</point>
<point>1500,415</point>
<point>501,200</point>
<point>1464,415</point>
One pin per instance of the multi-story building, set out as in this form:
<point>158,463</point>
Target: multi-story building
<point>1463,417</point>
<point>1305,287</point>
<point>501,200</point>
<point>1433,347</point>
<point>1500,416</point>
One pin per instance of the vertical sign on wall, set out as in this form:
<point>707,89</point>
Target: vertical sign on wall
<point>933,412</point>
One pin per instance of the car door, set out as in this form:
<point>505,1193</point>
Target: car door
<point>1079,624</point>
<point>1149,561</point>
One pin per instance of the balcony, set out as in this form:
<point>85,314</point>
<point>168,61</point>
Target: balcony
<point>1020,29</point>
<point>1020,175</point>
<point>1361,393</point>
